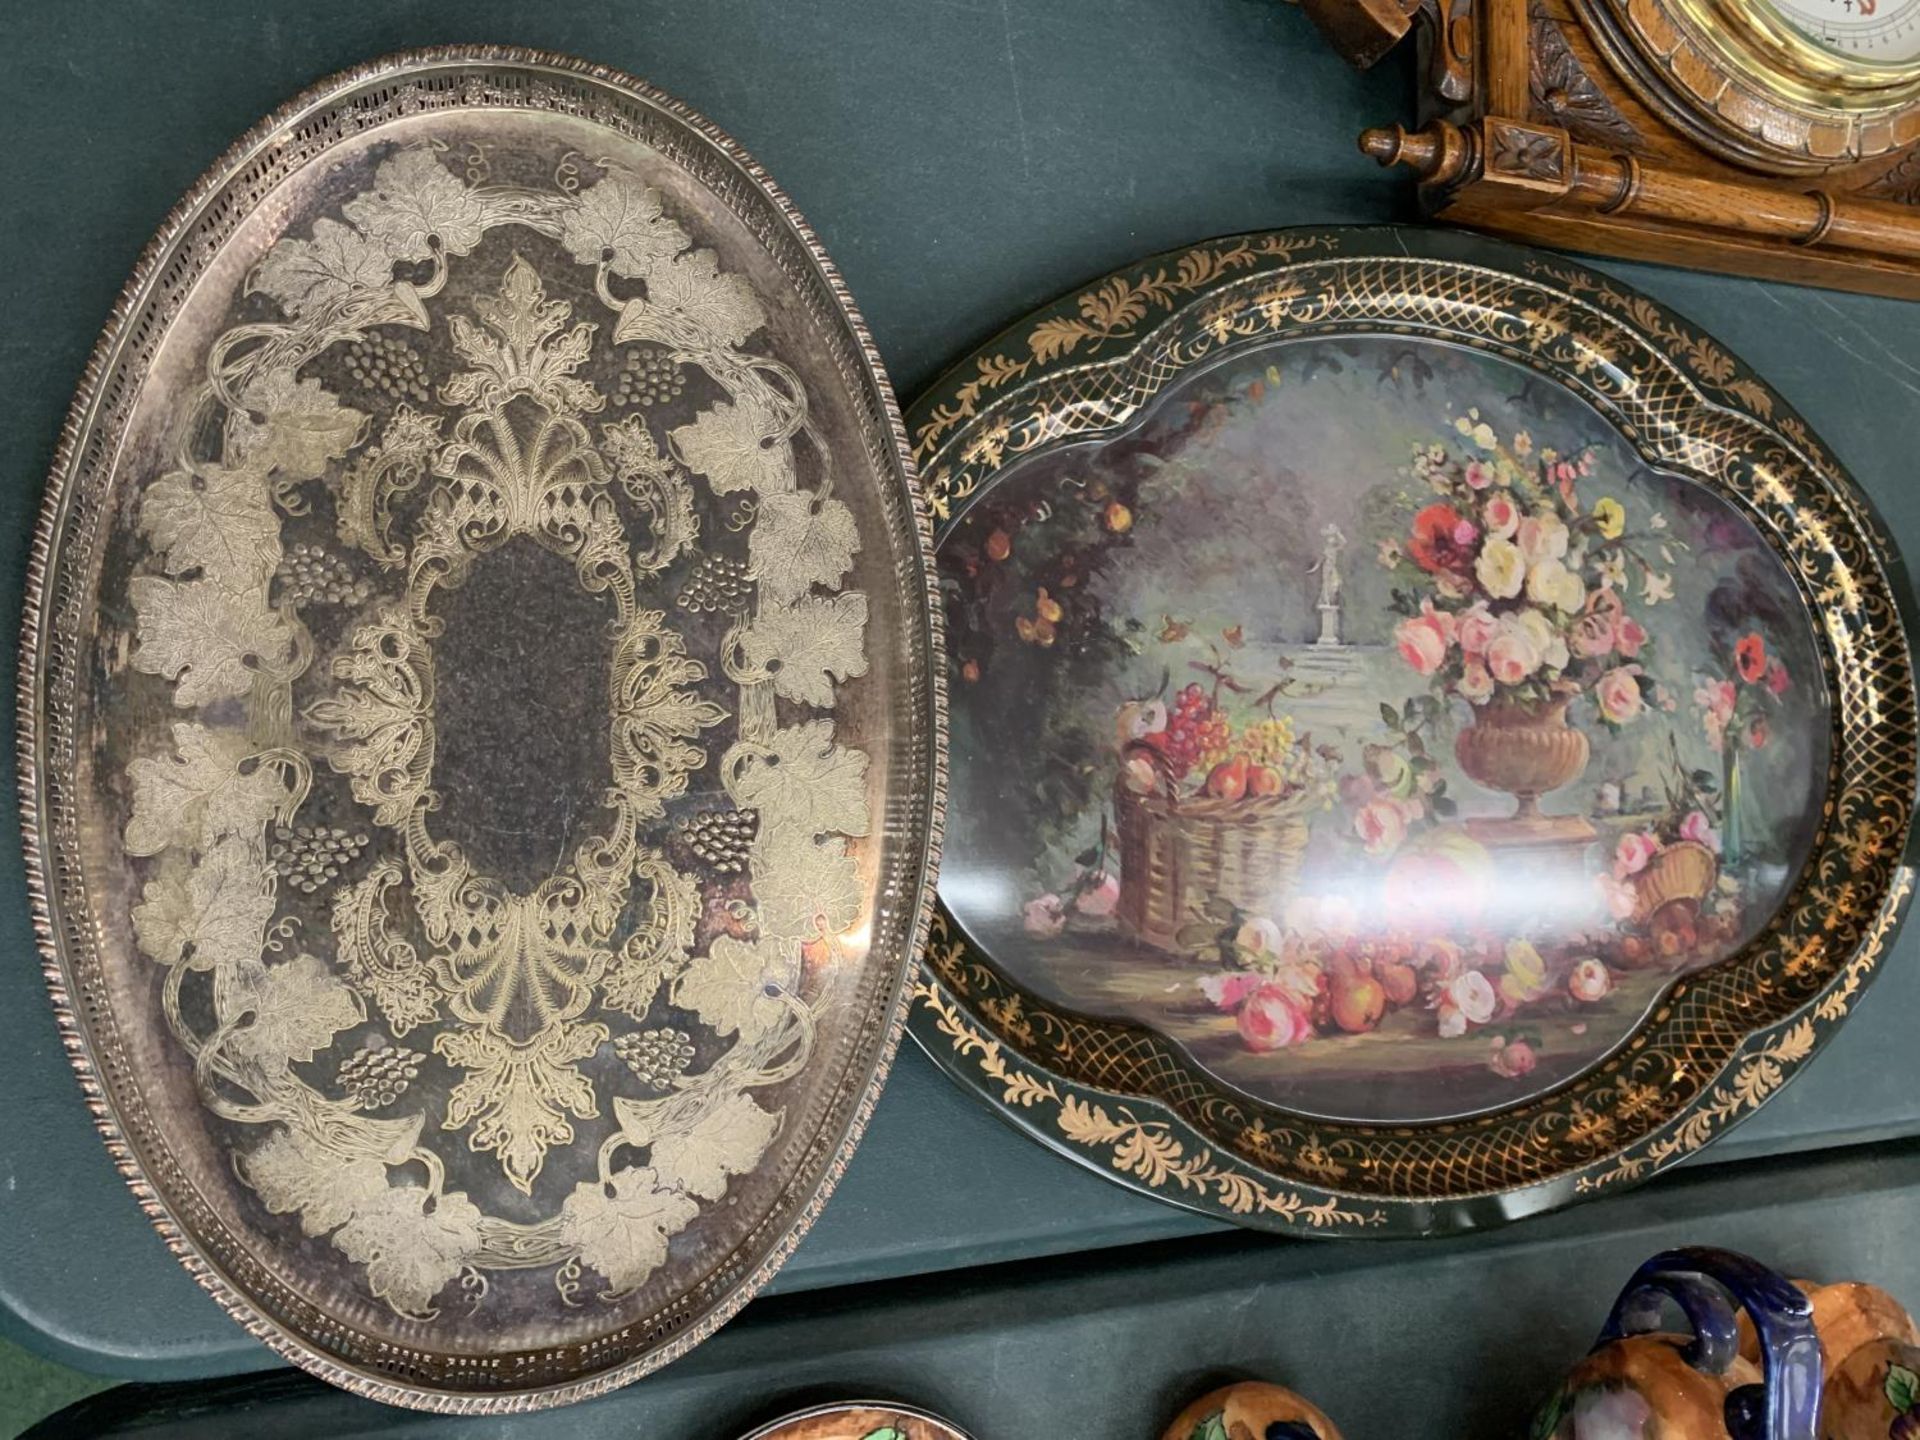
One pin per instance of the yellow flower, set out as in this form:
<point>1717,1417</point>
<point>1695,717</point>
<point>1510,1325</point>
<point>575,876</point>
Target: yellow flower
<point>1611,516</point>
<point>1501,569</point>
<point>1526,977</point>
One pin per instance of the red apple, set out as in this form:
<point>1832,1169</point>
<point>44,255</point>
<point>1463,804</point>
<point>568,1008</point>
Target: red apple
<point>1359,1002</point>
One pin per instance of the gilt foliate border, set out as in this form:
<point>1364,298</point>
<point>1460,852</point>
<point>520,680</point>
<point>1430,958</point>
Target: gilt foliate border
<point>1126,1102</point>
<point>403,85</point>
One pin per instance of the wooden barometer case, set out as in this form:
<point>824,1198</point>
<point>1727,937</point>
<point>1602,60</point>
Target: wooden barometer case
<point>1772,138</point>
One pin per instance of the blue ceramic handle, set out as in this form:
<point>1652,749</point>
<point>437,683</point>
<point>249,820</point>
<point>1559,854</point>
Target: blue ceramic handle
<point>1708,1285</point>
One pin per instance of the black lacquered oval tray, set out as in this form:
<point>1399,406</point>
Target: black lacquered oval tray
<point>481,729</point>
<point>1432,734</point>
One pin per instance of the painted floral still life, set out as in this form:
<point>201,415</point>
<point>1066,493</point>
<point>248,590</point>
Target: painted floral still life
<point>1372,721</point>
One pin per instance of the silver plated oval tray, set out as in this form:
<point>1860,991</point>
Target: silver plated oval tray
<point>481,729</point>
<point>1432,733</point>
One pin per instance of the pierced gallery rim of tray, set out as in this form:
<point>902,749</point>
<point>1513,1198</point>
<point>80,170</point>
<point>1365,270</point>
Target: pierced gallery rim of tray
<point>1432,733</point>
<point>481,729</point>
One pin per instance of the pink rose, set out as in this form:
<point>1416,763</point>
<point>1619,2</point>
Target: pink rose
<point>1590,981</point>
<point>1381,826</point>
<point>1777,680</point>
<point>1421,645</point>
<point>1697,829</point>
<point>1633,852</point>
<point>1476,683</point>
<point>1100,896</point>
<point>1476,628</point>
<point>1511,1058</point>
<point>1479,474</point>
<point>1424,639</point>
<point>1502,515</point>
<point>1629,635</point>
<point>1618,694</point>
<point>1465,532</point>
<point>1271,1019</point>
<point>1045,917</point>
<point>1228,988</point>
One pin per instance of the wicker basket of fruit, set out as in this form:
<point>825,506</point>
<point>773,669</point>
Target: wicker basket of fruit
<point>1674,881</point>
<point>1240,837</point>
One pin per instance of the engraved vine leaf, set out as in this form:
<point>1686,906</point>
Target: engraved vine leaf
<point>620,1228</point>
<point>203,791</point>
<point>338,262</point>
<point>204,638</point>
<point>294,1173</point>
<point>807,781</point>
<point>163,920</point>
<point>415,197</point>
<point>798,542</point>
<point>297,1008</point>
<point>737,446</point>
<point>294,427</point>
<point>213,916</point>
<point>728,1139</point>
<point>807,646</point>
<point>802,887</point>
<point>410,1252</point>
<point>692,305</point>
<point>220,522</point>
<point>619,223</point>
<point>728,986</point>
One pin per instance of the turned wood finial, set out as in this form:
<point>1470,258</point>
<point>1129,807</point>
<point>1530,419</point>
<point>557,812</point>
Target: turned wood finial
<point>1384,143</point>
<point>1438,154</point>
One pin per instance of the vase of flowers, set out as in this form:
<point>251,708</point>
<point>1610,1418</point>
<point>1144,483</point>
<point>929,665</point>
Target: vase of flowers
<point>1517,601</point>
<point>1736,710</point>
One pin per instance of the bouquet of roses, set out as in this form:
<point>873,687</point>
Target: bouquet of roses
<point>1514,591</point>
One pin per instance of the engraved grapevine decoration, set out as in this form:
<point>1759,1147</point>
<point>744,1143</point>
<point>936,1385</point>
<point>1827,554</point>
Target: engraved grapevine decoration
<point>518,988</point>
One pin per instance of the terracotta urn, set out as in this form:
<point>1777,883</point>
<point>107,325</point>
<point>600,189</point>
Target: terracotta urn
<point>1525,750</point>
<point>1641,1382</point>
<point>1251,1411</point>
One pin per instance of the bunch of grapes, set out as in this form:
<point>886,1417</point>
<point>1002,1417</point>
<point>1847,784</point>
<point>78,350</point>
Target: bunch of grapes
<point>1194,730</point>
<point>1273,744</point>
<point>1269,742</point>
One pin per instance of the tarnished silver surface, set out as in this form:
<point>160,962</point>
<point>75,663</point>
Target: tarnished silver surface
<point>482,730</point>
